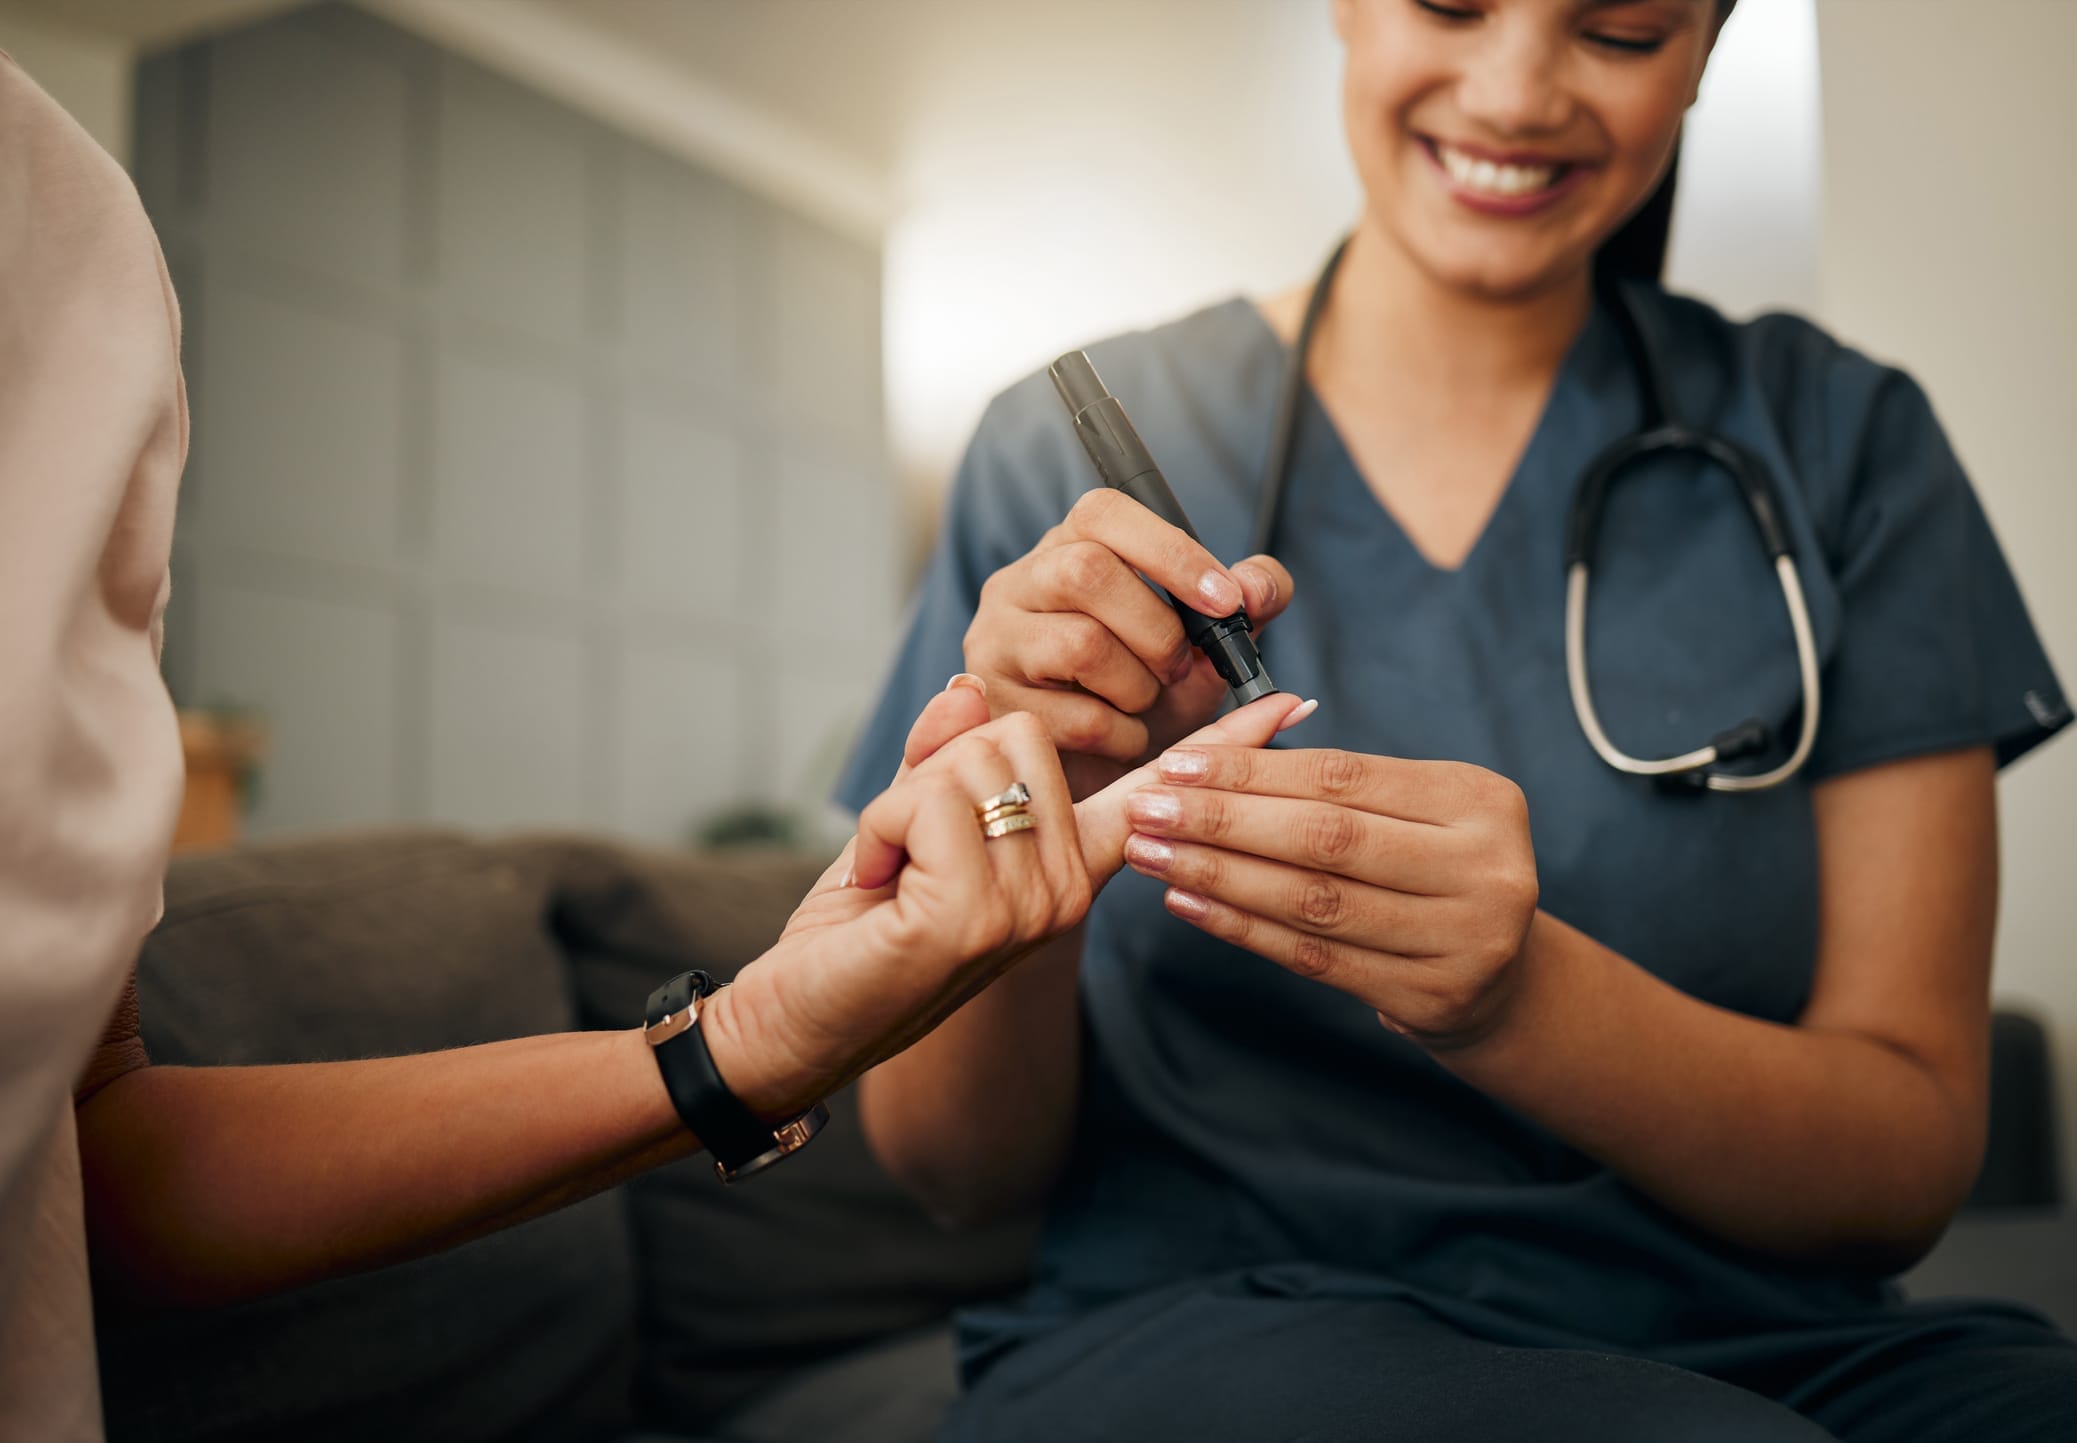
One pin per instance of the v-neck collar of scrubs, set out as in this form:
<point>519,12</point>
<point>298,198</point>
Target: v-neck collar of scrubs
<point>1593,361</point>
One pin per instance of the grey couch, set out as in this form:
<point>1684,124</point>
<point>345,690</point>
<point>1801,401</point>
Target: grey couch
<point>807,1305</point>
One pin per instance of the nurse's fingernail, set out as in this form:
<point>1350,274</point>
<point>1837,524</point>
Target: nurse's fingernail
<point>1268,582</point>
<point>1184,765</point>
<point>1147,854</point>
<point>968,679</point>
<point>1219,593</point>
<point>1298,714</point>
<point>1186,904</point>
<point>850,876</point>
<point>1154,807</point>
<point>1183,667</point>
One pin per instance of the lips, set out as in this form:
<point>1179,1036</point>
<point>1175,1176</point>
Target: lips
<point>1496,178</point>
<point>1513,184</point>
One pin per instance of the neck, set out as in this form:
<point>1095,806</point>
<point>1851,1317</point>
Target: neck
<point>1390,322</point>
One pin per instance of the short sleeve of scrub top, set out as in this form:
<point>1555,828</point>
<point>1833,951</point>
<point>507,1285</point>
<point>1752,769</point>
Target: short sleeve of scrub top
<point>1235,1118</point>
<point>1935,649</point>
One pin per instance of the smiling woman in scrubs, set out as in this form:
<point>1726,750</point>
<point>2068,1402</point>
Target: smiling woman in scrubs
<point>1577,1108</point>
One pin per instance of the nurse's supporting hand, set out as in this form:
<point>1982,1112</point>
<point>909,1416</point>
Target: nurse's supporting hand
<point>1409,885</point>
<point>1071,634</point>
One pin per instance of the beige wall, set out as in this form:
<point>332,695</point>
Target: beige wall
<point>86,72</point>
<point>1052,191</point>
<point>1950,237</point>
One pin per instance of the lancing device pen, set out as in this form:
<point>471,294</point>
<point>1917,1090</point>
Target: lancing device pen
<point>1122,460</point>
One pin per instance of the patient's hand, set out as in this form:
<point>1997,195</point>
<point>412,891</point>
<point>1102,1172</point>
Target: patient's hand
<point>921,911</point>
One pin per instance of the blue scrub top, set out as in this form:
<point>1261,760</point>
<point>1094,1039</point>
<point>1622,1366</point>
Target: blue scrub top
<point>1236,1117</point>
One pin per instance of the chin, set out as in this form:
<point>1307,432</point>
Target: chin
<point>1498,275</point>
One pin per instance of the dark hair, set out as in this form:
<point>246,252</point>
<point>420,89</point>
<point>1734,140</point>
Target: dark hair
<point>1637,250</point>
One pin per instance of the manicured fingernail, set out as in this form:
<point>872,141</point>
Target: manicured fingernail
<point>1186,904</point>
<point>1219,592</point>
<point>1184,765</point>
<point>1269,585</point>
<point>1148,854</point>
<point>967,678</point>
<point>1155,807</point>
<point>850,876</point>
<point>1298,714</point>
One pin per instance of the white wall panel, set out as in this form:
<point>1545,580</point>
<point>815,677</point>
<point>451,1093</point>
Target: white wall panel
<point>509,476</point>
<point>512,200</point>
<point>535,473</point>
<point>682,519</point>
<point>324,677</point>
<point>681,755</point>
<point>297,433</point>
<point>507,739</point>
<point>307,141</point>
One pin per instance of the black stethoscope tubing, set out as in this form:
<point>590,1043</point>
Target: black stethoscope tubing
<point>1660,433</point>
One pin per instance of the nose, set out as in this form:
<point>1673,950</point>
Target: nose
<point>1514,85</point>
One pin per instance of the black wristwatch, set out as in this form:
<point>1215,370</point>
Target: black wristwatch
<point>739,1141</point>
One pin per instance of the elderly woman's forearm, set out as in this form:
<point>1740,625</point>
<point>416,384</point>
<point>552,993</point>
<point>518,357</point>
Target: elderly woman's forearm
<point>207,1185</point>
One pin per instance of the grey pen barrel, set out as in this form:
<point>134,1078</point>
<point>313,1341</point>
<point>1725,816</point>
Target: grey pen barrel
<point>1114,447</point>
<point>1075,378</point>
<point>1123,463</point>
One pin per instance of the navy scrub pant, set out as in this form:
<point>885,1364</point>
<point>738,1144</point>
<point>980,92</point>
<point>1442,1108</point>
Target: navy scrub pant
<point>1216,1363</point>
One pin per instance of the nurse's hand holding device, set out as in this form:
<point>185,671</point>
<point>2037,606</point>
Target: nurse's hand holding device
<point>1072,633</point>
<point>1124,464</point>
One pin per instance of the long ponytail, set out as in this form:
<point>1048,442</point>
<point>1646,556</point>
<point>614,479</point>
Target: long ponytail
<point>1637,250</point>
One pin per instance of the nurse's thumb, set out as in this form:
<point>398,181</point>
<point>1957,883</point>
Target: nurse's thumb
<point>1265,587</point>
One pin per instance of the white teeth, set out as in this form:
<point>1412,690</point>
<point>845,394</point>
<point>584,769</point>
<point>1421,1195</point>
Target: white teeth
<point>1495,179</point>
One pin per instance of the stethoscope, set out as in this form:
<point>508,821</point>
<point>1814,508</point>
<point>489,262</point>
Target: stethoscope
<point>1660,433</point>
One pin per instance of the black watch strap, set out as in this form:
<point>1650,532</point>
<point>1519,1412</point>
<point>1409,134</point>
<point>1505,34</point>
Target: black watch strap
<point>731,1132</point>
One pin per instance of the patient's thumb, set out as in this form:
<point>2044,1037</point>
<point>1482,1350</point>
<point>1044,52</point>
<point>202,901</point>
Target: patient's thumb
<point>958,709</point>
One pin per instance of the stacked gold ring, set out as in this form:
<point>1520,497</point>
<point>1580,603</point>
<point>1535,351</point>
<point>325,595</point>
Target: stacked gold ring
<point>1006,812</point>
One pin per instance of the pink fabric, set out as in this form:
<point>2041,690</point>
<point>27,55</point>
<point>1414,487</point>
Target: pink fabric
<point>93,432</point>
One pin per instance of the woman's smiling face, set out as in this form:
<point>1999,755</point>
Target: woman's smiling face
<point>1499,142</point>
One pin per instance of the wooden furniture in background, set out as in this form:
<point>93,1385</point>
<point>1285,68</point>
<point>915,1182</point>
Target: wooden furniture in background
<point>221,753</point>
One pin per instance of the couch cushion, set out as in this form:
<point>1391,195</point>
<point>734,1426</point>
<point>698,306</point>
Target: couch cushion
<point>374,944</point>
<point>894,1391</point>
<point>742,1285</point>
<point>379,944</point>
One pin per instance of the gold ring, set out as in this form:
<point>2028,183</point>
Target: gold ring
<point>1002,826</point>
<point>1012,797</point>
